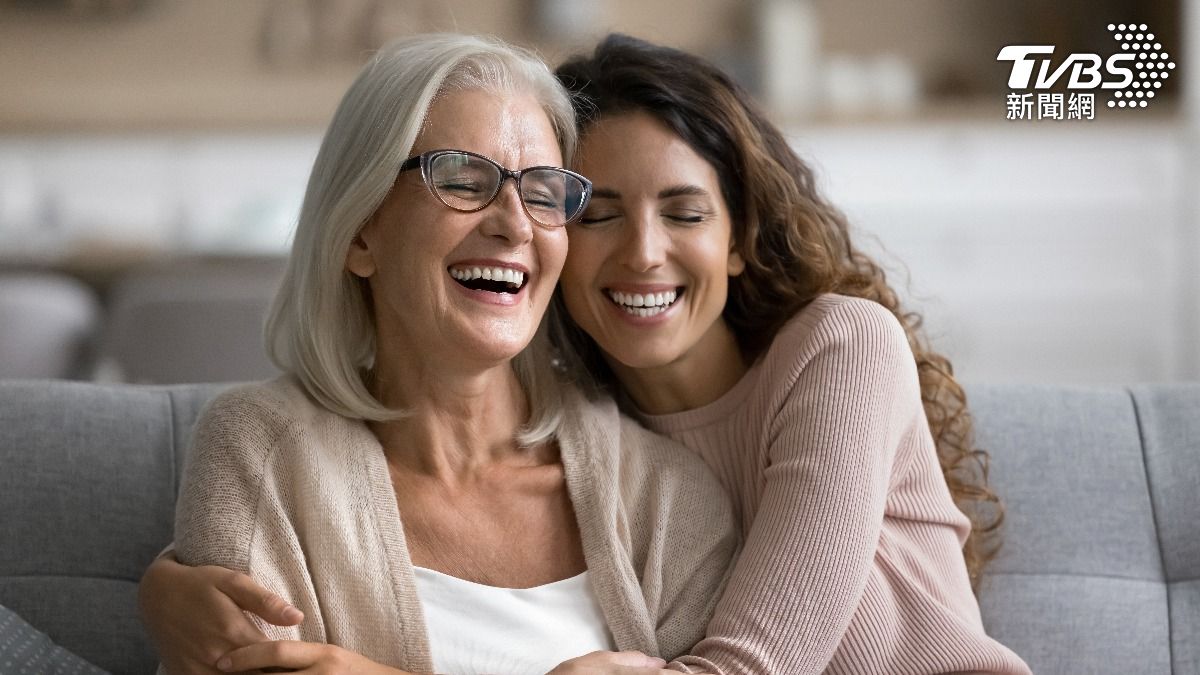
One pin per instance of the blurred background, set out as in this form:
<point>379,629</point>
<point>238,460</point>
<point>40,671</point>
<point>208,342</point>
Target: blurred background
<point>153,155</point>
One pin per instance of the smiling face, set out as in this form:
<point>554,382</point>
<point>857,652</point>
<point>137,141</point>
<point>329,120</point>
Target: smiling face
<point>459,288</point>
<point>648,270</point>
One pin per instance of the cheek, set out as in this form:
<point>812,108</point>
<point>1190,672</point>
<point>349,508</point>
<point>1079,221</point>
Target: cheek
<point>577,273</point>
<point>711,256</point>
<point>573,269</point>
<point>585,257</point>
<point>573,288</point>
<point>580,309</point>
<point>551,253</point>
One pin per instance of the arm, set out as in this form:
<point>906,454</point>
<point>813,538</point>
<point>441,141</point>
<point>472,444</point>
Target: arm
<point>244,505</point>
<point>195,614</point>
<point>193,610</point>
<point>217,636</point>
<point>229,515</point>
<point>612,663</point>
<point>810,548</point>
<point>301,657</point>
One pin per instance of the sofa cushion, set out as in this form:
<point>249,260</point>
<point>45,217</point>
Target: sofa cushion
<point>1078,586</point>
<point>1169,420</point>
<point>88,497</point>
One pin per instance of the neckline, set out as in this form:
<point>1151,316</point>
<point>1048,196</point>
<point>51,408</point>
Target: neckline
<point>576,580</point>
<point>706,414</point>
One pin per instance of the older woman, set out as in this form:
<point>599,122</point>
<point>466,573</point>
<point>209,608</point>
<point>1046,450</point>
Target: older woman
<point>420,485</point>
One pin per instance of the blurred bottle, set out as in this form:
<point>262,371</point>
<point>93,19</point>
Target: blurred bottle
<point>882,85</point>
<point>789,49</point>
<point>565,22</point>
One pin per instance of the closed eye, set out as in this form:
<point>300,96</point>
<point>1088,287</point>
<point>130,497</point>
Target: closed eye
<point>595,219</point>
<point>541,200</point>
<point>462,188</point>
<point>687,217</point>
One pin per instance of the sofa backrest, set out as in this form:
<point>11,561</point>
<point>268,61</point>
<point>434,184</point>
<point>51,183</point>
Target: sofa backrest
<point>1100,566</point>
<point>1099,573</point>
<point>190,321</point>
<point>88,478</point>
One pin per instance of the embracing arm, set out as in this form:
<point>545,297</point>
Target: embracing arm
<point>809,551</point>
<point>195,615</point>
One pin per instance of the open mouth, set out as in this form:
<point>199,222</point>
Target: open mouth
<point>645,304</point>
<point>491,279</point>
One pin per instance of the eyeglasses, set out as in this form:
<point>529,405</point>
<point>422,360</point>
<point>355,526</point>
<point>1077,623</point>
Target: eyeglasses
<point>468,182</point>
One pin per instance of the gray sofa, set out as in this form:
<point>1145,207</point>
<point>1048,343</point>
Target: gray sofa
<point>1100,572</point>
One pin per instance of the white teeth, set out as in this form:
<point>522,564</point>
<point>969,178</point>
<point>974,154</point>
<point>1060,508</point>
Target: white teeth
<point>643,305</point>
<point>510,276</point>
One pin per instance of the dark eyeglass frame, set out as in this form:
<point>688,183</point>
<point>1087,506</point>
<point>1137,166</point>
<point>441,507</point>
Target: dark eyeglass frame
<point>425,161</point>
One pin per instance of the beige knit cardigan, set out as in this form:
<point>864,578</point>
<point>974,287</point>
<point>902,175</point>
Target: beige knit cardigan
<point>300,498</point>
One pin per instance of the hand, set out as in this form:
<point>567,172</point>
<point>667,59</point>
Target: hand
<point>301,657</point>
<point>612,663</point>
<point>195,614</point>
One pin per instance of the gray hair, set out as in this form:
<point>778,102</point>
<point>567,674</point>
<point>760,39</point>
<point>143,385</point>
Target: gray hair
<point>320,327</point>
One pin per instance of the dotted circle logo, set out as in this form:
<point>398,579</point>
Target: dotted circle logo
<point>1151,65</point>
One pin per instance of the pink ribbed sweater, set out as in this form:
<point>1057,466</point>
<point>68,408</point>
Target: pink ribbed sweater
<point>852,560</point>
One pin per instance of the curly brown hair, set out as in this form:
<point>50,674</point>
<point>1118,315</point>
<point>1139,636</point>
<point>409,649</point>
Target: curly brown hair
<point>795,244</point>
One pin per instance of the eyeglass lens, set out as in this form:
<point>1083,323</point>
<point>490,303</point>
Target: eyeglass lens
<point>466,182</point>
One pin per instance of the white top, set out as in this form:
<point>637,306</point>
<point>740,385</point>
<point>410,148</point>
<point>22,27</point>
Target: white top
<point>475,629</point>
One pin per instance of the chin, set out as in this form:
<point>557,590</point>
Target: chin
<point>642,358</point>
<point>496,346</point>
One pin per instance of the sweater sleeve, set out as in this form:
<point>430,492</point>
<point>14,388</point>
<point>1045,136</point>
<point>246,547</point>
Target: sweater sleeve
<point>228,510</point>
<point>832,439</point>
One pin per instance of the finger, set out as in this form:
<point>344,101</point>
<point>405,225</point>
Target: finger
<point>270,654</point>
<point>191,619</point>
<point>234,628</point>
<point>253,598</point>
<point>232,632</point>
<point>635,659</point>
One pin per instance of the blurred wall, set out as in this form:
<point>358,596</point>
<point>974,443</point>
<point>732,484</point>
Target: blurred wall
<point>171,64</point>
<point>1045,251</point>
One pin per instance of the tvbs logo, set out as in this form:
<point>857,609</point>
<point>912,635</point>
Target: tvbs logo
<point>1084,68</point>
<point>1132,76</point>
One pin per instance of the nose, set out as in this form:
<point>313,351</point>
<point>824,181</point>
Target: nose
<point>644,244</point>
<point>506,218</point>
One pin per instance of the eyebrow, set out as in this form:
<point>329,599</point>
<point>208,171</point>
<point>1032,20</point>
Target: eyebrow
<point>666,193</point>
<point>683,191</point>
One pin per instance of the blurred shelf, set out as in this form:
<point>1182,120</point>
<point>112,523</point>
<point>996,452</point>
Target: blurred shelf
<point>1165,112</point>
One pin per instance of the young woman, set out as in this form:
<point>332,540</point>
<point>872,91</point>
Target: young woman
<point>721,300</point>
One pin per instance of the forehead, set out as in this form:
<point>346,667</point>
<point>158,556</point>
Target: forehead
<point>637,149</point>
<point>511,128</point>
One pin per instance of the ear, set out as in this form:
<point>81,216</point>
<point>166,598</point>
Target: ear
<point>736,264</point>
<point>359,260</point>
